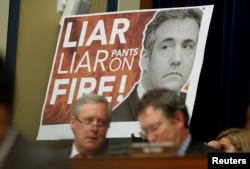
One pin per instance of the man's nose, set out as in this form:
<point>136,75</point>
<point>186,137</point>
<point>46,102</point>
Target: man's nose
<point>94,125</point>
<point>177,56</point>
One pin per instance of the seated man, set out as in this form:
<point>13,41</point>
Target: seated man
<point>15,150</point>
<point>163,116</point>
<point>89,122</point>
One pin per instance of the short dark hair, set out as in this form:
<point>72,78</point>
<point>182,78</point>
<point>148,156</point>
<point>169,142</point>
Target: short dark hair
<point>164,15</point>
<point>167,100</point>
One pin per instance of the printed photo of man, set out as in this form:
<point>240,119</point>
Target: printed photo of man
<point>167,57</point>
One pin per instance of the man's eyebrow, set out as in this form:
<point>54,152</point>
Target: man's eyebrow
<point>189,41</point>
<point>168,40</point>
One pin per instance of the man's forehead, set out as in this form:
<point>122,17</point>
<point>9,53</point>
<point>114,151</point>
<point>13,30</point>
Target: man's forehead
<point>188,28</point>
<point>98,108</point>
<point>153,109</point>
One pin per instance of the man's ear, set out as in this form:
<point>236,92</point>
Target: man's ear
<point>145,59</point>
<point>72,122</point>
<point>180,119</point>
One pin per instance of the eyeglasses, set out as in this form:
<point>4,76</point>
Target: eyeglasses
<point>152,129</point>
<point>90,122</point>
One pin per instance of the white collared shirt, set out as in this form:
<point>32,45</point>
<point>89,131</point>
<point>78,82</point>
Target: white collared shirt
<point>74,151</point>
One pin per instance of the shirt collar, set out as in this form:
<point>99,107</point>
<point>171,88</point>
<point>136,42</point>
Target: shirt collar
<point>182,150</point>
<point>140,90</point>
<point>74,151</point>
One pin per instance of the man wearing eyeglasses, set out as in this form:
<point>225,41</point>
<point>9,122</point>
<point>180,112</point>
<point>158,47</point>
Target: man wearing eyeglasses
<point>163,117</point>
<point>89,122</point>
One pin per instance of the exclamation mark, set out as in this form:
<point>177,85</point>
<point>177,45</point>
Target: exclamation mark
<point>122,88</point>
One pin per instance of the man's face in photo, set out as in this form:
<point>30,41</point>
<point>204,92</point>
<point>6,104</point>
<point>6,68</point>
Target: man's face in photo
<point>173,54</point>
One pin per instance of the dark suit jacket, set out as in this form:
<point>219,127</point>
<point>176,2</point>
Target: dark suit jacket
<point>65,153</point>
<point>196,147</point>
<point>25,155</point>
<point>126,111</point>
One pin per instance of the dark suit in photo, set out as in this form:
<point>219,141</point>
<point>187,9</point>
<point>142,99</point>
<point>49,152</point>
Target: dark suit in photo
<point>126,110</point>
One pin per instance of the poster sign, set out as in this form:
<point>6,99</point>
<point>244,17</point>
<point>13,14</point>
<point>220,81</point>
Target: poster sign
<point>107,54</point>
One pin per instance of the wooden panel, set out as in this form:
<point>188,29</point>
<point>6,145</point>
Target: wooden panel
<point>146,4</point>
<point>187,162</point>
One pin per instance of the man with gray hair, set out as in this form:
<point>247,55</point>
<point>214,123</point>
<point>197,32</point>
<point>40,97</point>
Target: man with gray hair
<point>89,122</point>
<point>170,42</point>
